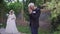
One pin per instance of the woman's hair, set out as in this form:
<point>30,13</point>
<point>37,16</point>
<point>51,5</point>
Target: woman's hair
<point>11,11</point>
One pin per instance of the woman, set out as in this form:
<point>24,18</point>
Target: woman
<point>11,25</point>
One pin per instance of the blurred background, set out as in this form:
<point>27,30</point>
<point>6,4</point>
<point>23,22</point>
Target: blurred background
<point>49,21</point>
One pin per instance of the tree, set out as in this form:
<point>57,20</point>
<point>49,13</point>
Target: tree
<point>34,1</point>
<point>2,8</point>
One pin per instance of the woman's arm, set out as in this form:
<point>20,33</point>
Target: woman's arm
<point>14,17</point>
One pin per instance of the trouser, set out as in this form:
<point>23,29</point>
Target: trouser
<point>34,30</point>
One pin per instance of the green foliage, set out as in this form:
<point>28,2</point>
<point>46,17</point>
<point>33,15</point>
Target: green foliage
<point>5,7</point>
<point>51,5</point>
<point>25,29</point>
<point>54,14</point>
<point>39,2</point>
<point>25,6</point>
<point>17,7</point>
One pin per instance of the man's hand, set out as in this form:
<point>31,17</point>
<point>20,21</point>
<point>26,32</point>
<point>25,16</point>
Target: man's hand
<point>30,10</point>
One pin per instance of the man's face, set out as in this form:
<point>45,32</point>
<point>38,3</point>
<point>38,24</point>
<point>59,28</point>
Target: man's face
<point>32,7</point>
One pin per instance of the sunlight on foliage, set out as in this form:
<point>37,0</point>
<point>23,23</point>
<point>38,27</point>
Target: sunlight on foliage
<point>53,4</point>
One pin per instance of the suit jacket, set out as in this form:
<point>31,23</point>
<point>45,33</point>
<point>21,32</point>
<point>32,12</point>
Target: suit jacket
<point>34,18</point>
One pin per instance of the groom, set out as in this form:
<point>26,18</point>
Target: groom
<point>34,14</point>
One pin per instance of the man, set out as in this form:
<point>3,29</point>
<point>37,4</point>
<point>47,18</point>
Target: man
<point>34,14</point>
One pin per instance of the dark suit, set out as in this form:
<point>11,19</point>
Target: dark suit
<point>34,20</point>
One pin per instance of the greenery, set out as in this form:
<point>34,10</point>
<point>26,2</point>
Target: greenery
<point>53,4</point>
<point>26,29</point>
<point>23,29</point>
<point>18,7</point>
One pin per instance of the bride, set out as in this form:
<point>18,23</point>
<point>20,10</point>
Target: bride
<point>11,25</point>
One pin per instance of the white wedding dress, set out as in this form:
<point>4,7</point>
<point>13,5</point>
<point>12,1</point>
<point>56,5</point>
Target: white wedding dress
<point>11,25</point>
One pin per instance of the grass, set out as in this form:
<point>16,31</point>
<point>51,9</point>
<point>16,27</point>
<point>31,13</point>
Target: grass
<point>26,29</point>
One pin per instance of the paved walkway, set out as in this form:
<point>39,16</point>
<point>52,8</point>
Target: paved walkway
<point>2,31</point>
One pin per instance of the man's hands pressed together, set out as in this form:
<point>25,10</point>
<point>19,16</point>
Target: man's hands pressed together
<point>30,10</point>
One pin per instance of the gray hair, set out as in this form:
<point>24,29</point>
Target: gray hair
<point>30,4</point>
